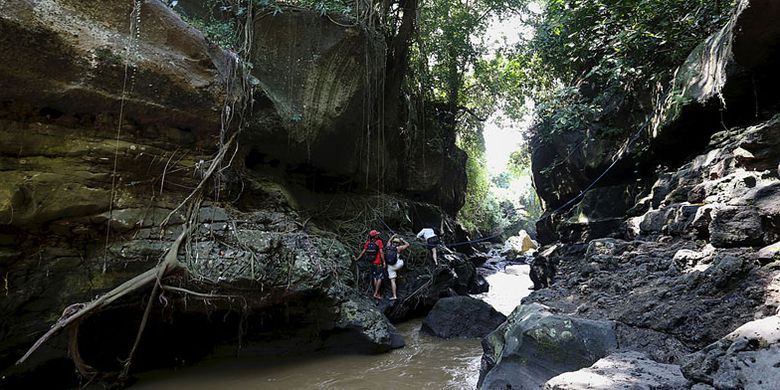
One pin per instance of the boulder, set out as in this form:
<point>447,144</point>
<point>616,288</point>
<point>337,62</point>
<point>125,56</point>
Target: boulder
<point>625,370</point>
<point>518,245</point>
<point>462,316</point>
<point>734,226</point>
<point>769,253</point>
<point>421,286</point>
<point>746,358</point>
<point>534,345</point>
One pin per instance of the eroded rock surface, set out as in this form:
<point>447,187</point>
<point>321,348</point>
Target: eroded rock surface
<point>746,358</point>
<point>534,345</point>
<point>625,370</point>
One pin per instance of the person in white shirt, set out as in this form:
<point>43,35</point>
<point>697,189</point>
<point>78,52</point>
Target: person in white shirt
<point>432,241</point>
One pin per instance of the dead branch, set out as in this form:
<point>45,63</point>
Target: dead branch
<point>74,313</point>
<point>206,176</point>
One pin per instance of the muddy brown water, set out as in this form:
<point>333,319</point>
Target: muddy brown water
<point>425,363</point>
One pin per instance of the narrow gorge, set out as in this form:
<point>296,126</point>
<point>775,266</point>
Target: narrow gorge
<point>173,194</point>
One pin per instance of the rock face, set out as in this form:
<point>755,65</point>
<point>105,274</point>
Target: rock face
<point>106,128</point>
<point>321,81</point>
<point>534,345</point>
<point>626,370</point>
<point>77,65</point>
<point>677,245</point>
<point>462,316</point>
<point>695,295</point>
<point>714,86</point>
<point>745,359</point>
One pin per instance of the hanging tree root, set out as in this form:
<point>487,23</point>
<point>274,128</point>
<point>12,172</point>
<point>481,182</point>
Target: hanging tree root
<point>73,314</point>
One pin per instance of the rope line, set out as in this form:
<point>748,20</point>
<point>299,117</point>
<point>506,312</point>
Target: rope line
<point>132,46</point>
<point>619,155</point>
<point>412,242</point>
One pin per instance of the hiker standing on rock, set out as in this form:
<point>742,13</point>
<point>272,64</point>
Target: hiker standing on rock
<point>373,250</point>
<point>432,241</point>
<point>394,261</point>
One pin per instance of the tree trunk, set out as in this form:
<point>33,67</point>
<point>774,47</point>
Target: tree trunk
<point>397,63</point>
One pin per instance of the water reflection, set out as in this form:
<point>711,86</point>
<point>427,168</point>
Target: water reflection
<point>425,363</point>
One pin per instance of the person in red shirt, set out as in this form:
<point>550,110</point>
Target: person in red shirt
<point>373,249</point>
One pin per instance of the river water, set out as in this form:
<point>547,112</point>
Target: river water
<point>425,363</point>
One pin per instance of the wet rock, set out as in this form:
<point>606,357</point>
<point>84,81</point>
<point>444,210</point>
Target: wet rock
<point>534,345</point>
<point>462,316</point>
<point>745,359</point>
<point>369,326</point>
<point>625,370</point>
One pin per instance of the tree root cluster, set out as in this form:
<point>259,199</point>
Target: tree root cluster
<point>74,314</point>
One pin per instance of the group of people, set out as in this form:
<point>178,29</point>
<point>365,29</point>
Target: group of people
<point>387,258</point>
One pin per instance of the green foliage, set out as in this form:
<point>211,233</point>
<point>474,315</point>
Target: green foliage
<point>216,19</point>
<point>481,210</point>
<point>450,68</point>
<point>519,164</point>
<point>220,20</point>
<point>505,201</point>
<point>451,45</point>
<point>595,58</point>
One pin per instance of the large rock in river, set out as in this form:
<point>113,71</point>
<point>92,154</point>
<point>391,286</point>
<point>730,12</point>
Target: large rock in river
<point>534,345</point>
<point>462,316</point>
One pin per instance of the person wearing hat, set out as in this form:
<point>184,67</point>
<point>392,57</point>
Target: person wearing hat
<point>373,250</point>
